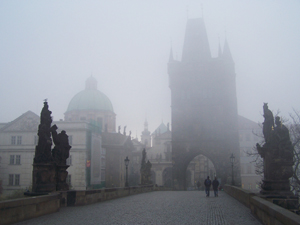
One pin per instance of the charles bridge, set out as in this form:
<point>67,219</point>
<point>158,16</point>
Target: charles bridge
<point>145,205</point>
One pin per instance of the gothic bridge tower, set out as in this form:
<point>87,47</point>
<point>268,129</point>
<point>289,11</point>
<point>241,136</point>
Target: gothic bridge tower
<point>204,106</point>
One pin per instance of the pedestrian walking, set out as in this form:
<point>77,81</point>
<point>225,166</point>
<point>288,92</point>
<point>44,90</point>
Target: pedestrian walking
<point>207,184</point>
<point>198,185</point>
<point>215,185</point>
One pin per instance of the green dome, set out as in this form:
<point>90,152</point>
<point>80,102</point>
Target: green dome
<point>90,99</point>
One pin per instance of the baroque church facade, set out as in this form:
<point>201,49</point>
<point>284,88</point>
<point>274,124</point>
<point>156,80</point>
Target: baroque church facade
<point>97,154</point>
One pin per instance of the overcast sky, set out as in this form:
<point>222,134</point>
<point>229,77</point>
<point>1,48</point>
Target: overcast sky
<point>49,48</point>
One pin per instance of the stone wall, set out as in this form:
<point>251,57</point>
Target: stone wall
<point>13,211</point>
<point>267,212</point>
<point>76,198</point>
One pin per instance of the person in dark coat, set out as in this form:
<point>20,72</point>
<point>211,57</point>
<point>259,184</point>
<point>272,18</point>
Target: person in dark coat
<point>207,184</point>
<point>215,185</point>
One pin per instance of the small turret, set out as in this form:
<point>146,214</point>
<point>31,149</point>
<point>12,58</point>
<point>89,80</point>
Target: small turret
<point>227,53</point>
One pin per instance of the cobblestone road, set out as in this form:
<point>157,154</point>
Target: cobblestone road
<point>169,207</point>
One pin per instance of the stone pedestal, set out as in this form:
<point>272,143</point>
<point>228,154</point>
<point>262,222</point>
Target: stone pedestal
<point>288,201</point>
<point>44,178</point>
<point>61,178</point>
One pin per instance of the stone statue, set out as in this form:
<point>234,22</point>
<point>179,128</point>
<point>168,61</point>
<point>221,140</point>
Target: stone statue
<point>145,169</point>
<point>60,152</point>
<point>124,132</point>
<point>277,154</point>
<point>43,149</point>
<point>268,124</point>
<point>50,170</point>
<point>119,129</point>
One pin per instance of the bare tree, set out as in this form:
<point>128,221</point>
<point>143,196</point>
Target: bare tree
<point>295,138</point>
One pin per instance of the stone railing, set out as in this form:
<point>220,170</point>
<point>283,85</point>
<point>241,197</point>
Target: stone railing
<point>76,198</point>
<point>17,210</point>
<point>265,211</point>
<point>13,211</point>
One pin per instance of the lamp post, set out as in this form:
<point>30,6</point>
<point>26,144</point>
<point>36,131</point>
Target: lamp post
<point>126,164</point>
<point>232,158</point>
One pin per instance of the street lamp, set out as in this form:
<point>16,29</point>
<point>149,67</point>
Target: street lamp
<point>126,164</point>
<point>232,158</point>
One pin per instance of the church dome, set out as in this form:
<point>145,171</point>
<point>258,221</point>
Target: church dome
<point>90,99</point>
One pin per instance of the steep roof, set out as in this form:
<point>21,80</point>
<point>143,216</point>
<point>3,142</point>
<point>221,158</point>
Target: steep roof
<point>28,121</point>
<point>162,128</point>
<point>196,45</point>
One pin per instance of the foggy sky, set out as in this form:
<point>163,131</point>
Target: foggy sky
<point>49,48</point>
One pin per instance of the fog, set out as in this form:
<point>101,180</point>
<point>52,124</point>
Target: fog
<point>49,48</point>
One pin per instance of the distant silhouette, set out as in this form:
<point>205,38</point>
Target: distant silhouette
<point>215,185</point>
<point>207,184</point>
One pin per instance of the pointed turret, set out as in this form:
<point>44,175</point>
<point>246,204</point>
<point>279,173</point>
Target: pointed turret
<point>219,51</point>
<point>227,53</point>
<point>171,58</point>
<point>146,125</point>
<point>146,135</point>
<point>196,46</point>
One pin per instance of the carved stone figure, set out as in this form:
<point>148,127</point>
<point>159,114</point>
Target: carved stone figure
<point>43,149</point>
<point>49,170</point>
<point>60,152</point>
<point>145,169</point>
<point>268,124</point>
<point>277,153</point>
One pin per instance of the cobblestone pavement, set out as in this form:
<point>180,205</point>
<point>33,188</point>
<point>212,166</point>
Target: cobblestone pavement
<point>164,207</point>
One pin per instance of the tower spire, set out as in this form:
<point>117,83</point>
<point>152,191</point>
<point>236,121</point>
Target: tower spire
<point>219,50</point>
<point>226,52</point>
<point>171,58</point>
<point>196,46</point>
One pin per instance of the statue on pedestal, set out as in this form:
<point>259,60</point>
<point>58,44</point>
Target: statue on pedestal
<point>277,154</point>
<point>145,169</point>
<point>49,168</point>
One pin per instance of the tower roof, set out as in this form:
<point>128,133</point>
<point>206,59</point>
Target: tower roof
<point>196,46</point>
<point>162,128</point>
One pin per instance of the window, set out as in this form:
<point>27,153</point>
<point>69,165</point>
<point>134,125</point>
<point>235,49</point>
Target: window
<point>68,180</point>
<point>18,159</point>
<point>17,179</point>
<point>10,179</point>
<point>19,140</point>
<point>13,140</point>
<point>103,162</point>
<point>69,160</point>
<point>103,175</point>
<point>12,159</point>
<point>14,179</point>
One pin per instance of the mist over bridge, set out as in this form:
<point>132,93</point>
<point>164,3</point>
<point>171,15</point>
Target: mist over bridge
<point>160,207</point>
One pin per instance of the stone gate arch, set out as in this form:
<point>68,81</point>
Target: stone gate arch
<point>218,154</point>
